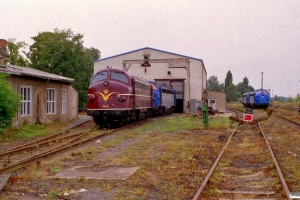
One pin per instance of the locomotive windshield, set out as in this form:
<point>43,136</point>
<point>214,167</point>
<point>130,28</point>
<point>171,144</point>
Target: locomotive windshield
<point>154,87</point>
<point>99,77</point>
<point>119,76</point>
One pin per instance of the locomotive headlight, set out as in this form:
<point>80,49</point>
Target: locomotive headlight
<point>105,83</point>
<point>122,99</point>
<point>91,97</point>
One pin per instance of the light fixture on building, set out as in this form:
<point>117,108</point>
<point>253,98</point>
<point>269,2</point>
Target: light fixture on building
<point>146,61</point>
<point>169,72</point>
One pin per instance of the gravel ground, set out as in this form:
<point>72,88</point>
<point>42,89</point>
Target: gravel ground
<point>19,189</point>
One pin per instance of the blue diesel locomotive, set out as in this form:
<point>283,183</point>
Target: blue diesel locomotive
<point>164,99</point>
<point>256,99</point>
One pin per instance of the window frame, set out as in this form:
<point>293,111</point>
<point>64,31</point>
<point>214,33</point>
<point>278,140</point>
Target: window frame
<point>64,101</point>
<point>26,100</point>
<point>51,101</point>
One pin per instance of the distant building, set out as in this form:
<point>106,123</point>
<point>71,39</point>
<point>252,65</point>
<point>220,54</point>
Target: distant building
<point>46,97</point>
<point>217,100</point>
<point>187,75</point>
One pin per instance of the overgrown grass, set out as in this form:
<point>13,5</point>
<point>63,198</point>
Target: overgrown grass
<point>170,152</point>
<point>31,131</point>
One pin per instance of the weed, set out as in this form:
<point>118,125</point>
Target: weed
<point>212,192</point>
<point>55,169</point>
<point>106,188</point>
<point>52,194</point>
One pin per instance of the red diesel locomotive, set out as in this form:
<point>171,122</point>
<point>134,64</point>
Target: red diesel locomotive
<point>116,97</point>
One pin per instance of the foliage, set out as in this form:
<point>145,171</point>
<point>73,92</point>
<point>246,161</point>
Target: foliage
<point>279,99</point>
<point>214,84</point>
<point>230,88</point>
<point>62,52</point>
<point>14,57</point>
<point>244,86</point>
<point>9,103</point>
<point>228,79</point>
<point>231,93</point>
<point>52,194</point>
<point>25,132</point>
<point>297,99</point>
<point>290,99</point>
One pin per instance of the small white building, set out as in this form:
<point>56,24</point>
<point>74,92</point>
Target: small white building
<point>187,75</point>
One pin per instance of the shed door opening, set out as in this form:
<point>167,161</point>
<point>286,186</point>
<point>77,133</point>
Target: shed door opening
<point>178,86</point>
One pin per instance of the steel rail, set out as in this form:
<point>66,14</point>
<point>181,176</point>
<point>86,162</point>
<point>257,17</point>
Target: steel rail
<point>37,158</point>
<point>42,139</point>
<point>282,180</point>
<point>35,145</point>
<point>52,151</point>
<point>287,119</point>
<point>213,167</point>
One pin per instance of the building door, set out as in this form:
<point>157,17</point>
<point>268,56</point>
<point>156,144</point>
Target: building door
<point>212,103</point>
<point>178,86</point>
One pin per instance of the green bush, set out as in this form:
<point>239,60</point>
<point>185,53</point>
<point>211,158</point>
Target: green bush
<point>9,103</point>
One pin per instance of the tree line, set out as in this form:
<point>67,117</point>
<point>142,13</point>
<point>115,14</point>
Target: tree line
<point>233,92</point>
<point>59,52</point>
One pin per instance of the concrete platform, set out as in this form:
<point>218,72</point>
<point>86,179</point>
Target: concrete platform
<point>3,180</point>
<point>96,172</point>
<point>78,122</point>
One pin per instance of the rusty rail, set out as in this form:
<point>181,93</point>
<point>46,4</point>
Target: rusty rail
<point>282,180</point>
<point>213,167</point>
<point>37,158</point>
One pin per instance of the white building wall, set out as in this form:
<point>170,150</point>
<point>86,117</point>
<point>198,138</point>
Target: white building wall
<point>160,70</point>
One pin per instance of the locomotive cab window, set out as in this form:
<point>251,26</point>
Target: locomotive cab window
<point>99,77</point>
<point>119,76</point>
<point>154,87</point>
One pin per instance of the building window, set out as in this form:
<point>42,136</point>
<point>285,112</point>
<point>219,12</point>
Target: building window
<point>51,101</point>
<point>26,101</point>
<point>63,101</point>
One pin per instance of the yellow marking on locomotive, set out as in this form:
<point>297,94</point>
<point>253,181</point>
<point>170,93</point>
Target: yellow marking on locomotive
<point>105,95</point>
<point>105,106</point>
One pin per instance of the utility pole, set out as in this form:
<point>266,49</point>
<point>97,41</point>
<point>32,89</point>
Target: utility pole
<point>262,75</point>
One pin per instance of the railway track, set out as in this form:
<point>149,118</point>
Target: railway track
<point>20,156</point>
<point>33,152</point>
<point>284,138</point>
<point>246,168</point>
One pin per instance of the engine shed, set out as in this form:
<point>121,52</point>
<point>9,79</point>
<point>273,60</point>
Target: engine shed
<point>187,75</point>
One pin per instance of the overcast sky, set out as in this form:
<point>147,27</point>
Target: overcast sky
<point>245,37</point>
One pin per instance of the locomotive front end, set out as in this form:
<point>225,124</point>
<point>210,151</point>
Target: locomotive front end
<point>108,100</point>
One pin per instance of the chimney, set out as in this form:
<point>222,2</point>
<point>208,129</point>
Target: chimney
<point>3,55</point>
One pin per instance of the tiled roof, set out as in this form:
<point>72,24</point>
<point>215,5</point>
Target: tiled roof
<point>27,71</point>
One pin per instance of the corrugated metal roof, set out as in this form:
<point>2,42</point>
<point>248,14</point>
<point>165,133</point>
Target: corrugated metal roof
<point>147,48</point>
<point>27,71</point>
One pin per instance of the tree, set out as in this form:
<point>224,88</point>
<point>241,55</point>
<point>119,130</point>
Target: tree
<point>14,57</point>
<point>213,84</point>
<point>231,93</point>
<point>95,53</point>
<point>9,102</point>
<point>62,52</point>
<point>228,79</point>
<point>243,87</point>
<point>290,99</point>
<point>230,89</point>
